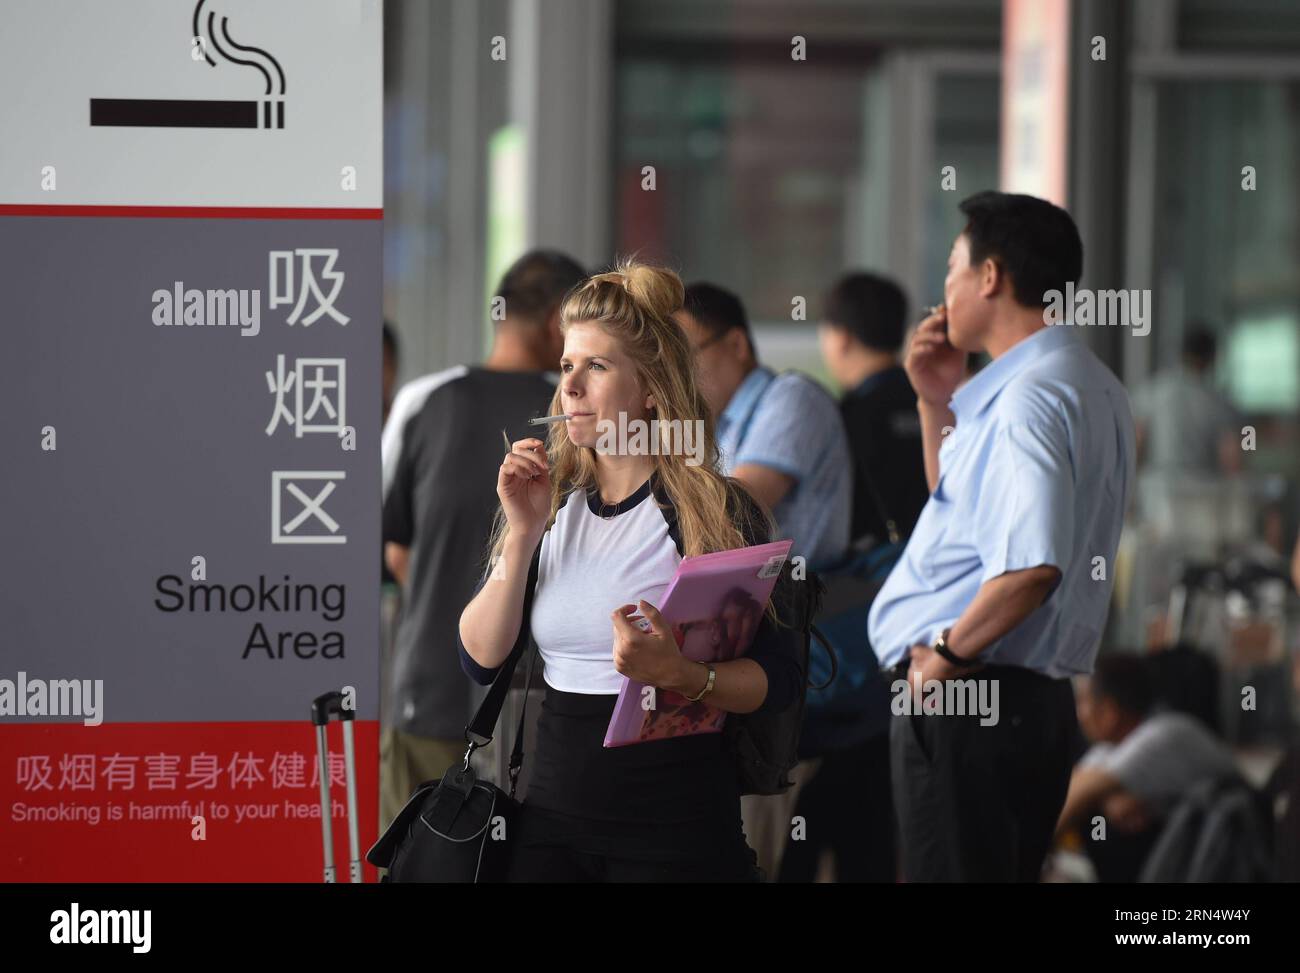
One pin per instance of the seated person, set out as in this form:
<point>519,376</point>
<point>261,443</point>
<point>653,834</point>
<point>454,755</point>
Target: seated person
<point>1142,762</point>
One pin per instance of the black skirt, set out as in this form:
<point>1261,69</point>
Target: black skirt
<point>661,799</point>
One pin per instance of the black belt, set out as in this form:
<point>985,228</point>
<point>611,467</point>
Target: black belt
<point>899,671</point>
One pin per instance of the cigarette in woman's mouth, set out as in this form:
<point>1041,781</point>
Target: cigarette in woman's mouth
<point>546,420</point>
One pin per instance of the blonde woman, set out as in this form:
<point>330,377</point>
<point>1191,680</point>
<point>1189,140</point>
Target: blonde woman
<point>612,528</point>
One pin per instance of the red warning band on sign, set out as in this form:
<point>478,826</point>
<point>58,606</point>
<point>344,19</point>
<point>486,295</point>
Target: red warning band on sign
<point>177,802</point>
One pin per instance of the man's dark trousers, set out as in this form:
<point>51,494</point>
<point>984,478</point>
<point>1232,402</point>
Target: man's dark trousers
<point>980,803</point>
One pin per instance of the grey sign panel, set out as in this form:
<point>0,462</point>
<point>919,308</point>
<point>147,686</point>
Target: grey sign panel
<point>190,418</point>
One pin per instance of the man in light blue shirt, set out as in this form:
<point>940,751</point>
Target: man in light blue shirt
<point>1004,586</point>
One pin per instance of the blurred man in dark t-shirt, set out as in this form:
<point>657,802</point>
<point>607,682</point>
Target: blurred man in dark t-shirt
<point>442,449</point>
<point>861,335</point>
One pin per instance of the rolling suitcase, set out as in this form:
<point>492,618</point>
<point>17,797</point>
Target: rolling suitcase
<point>323,709</point>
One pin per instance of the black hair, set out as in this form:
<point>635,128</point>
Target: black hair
<point>537,282</point>
<point>1186,680</point>
<point>390,339</point>
<point>1200,345</point>
<point>717,311</point>
<point>1125,679</point>
<point>1035,242</point>
<point>871,308</point>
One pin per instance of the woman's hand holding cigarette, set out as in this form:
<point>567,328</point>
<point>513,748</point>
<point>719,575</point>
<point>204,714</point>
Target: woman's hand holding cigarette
<point>524,486</point>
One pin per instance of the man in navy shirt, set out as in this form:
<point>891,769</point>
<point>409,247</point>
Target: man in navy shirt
<point>861,335</point>
<point>863,322</point>
<point>1004,586</point>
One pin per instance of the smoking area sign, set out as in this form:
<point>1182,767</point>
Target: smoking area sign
<point>190,230</point>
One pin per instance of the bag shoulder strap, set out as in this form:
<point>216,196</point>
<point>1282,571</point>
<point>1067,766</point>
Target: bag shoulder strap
<point>517,752</point>
<point>479,731</point>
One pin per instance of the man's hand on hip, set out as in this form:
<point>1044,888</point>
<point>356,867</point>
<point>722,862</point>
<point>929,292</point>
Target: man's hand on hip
<point>929,664</point>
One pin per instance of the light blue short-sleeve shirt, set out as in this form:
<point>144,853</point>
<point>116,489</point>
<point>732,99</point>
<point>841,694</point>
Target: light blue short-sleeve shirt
<point>788,422</point>
<point>1038,470</point>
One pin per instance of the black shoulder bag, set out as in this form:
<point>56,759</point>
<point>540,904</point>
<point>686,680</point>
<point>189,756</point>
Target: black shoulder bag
<point>456,829</point>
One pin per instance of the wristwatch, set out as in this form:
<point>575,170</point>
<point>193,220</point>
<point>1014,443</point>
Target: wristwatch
<point>941,646</point>
<point>708,686</point>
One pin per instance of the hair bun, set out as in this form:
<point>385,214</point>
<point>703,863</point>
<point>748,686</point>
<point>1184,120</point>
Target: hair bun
<point>657,289</point>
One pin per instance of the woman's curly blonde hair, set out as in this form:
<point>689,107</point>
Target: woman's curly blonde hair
<point>634,304</point>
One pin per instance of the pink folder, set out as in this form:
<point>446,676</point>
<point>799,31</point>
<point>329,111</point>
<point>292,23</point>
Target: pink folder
<point>714,604</point>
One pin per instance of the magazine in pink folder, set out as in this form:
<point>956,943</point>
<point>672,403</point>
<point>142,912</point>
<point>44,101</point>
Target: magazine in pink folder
<point>714,604</point>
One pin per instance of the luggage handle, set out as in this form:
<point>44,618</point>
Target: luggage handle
<point>323,709</point>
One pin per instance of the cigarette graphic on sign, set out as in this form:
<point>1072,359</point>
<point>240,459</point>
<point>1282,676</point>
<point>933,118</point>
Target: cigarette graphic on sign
<point>212,34</point>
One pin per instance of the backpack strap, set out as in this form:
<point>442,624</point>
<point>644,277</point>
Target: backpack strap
<point>892,532</point>
<point>817,634</point>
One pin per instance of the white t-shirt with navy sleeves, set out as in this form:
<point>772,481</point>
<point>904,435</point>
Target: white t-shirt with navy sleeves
<point>588,565</point>
<point>591,564</point>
